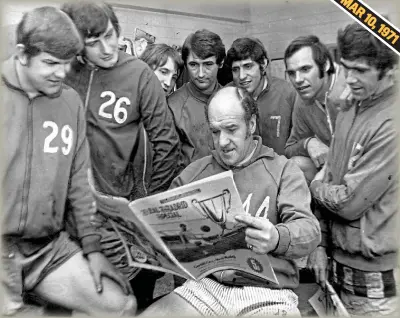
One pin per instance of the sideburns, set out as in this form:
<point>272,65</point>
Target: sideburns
<point>248,131</point>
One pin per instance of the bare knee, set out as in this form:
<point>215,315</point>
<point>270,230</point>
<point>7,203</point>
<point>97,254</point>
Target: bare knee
<point>114,301</point>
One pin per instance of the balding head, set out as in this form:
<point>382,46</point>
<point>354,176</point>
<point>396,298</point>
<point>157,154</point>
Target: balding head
<point>231,114</point>
<point>233,95</point>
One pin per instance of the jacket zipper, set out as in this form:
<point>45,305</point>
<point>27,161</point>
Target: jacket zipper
<point>88,90</point>
<point>28,170</point>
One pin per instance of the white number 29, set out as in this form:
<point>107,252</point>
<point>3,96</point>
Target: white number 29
<point>66,136</point>
<point>120,113</point>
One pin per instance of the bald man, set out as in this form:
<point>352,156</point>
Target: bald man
<point>279,220</point>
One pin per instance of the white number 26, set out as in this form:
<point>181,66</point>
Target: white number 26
<point>66,136</point>
<point>120,113</point>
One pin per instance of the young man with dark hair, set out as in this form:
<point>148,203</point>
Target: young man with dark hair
<point>203,54</point>
<point>124,104</point>
<point>248,61</point>
<point>278,219</point>
<point>320,83</point>
<point>45,179</point>
<point>358,185</point>
<point>166,63</point>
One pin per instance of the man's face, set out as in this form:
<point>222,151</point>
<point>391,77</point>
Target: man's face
<point>361,77</point>
<point>103,50</point>
<point>303,72</point>
<point>231,136</point>
<point>167,75</point>
<point>203,73</point>
<point>45,73</point>
<point>246,74</point>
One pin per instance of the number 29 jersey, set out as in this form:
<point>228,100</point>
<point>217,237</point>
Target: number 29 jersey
<point>45,162</point>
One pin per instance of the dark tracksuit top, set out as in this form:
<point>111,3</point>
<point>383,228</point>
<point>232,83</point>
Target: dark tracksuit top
<point>188,107</point>
<point>275,105</point>
<point>359,192</point>
<point>119,102</point>
<point>45,172</point>
<point>310,119</point>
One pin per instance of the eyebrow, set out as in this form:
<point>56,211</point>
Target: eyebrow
<point>94,39</point>
<point>360,68</point>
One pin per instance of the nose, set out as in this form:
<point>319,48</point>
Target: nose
<point>223,140</point>
<point>298,78</point>
<point>62,71</point>
<point>201,71</point>
<point>350,78</point>
<point>106,47</point>
<point>242,74</point>
<point>167,81</point>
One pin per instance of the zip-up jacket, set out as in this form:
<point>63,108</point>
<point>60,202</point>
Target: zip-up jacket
<point>275,105</point>
<point>360,187</point>
<point>188,107</point>
<point>272,187</point>
<point>117,101</point>
<point>46,161</point>
<point>310,119</point>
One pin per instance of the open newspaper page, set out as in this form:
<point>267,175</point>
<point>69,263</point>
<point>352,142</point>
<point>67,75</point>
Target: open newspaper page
<point>143,248</point>
<point>196,222</point>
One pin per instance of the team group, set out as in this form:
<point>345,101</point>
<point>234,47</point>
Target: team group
<point>316,155</point>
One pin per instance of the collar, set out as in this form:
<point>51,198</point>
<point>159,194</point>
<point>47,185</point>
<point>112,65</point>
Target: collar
<point>265,85</point>
<point>376,99</point>
<point>9,73</point>
<point>198,94</point>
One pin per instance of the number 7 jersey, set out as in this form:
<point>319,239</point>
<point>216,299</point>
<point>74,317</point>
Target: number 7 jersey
<point>46,158</point>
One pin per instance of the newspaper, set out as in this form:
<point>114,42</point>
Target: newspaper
<point>189,231</point>
<point>328,303</point>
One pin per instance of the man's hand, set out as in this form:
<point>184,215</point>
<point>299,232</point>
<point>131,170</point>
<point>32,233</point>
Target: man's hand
<point>238,278</point>
<point>100,266</point>
<point>321,174</point>
<point>261,235</point>
<point>225,276</point>
<point>97,220</point>
<point>318,263</point>
<point>317,151</point>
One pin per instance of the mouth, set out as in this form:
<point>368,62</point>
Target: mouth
<point>55,82</point>
<point>356,89</point>
<point>202,81</point>
<point>302,89</point>
<point>227,151</point>
<point>108,58</point>
<point>245,83</point>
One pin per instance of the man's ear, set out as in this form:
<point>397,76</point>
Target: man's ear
<point>264,66</point>
<point>220,65</point>
<point>253,124</point>
<point>327,66</point>
<point>391,71</point>
<point>21,55</point>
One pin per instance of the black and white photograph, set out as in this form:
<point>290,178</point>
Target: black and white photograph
<point>295,99</point>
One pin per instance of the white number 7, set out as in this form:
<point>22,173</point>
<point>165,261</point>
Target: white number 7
<point>278,125</point>
<point>66,136</point>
